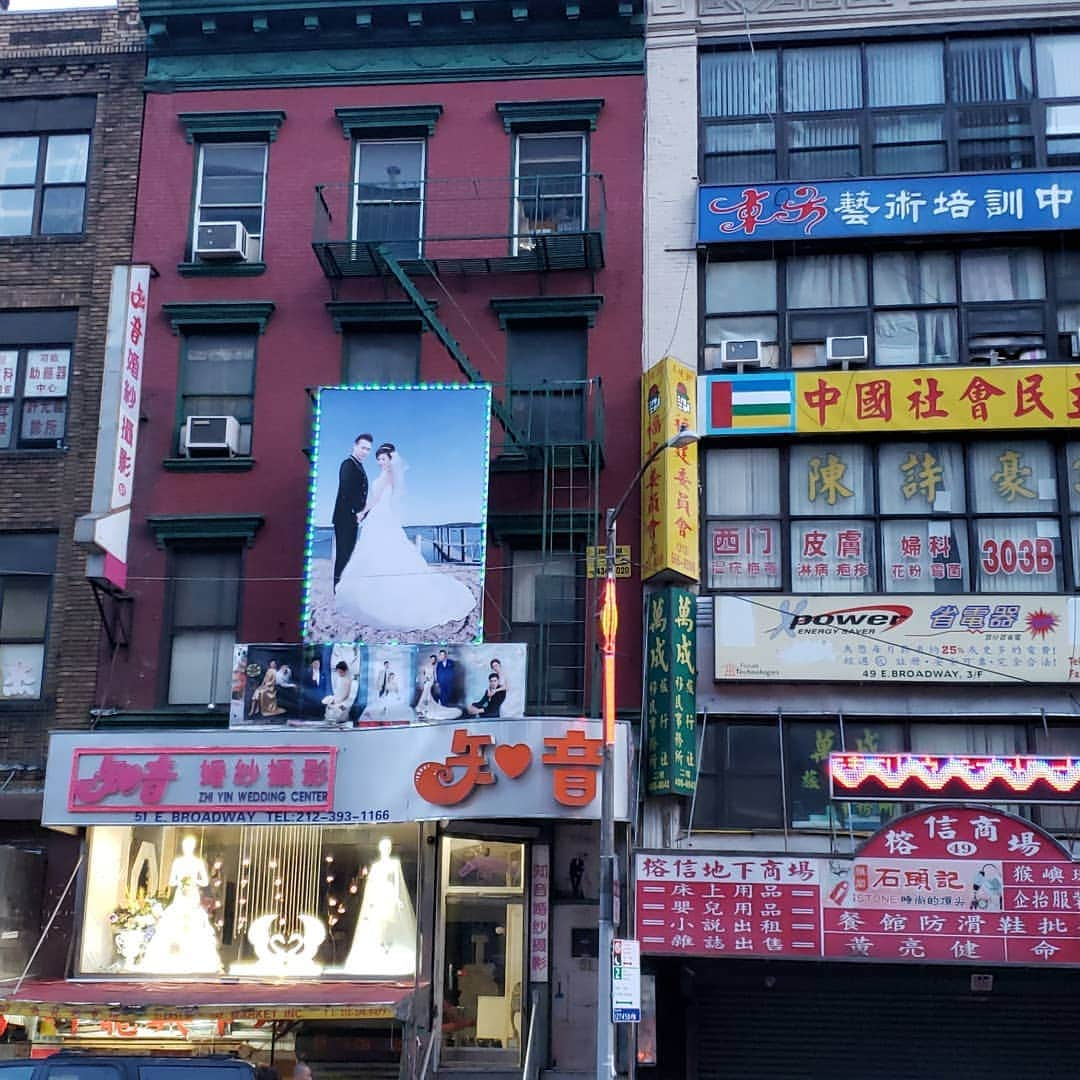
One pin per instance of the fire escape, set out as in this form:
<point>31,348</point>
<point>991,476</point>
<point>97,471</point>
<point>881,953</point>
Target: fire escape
<point>548,439</point>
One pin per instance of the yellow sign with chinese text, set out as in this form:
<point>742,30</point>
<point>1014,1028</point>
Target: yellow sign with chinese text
<point>669,489</point>
<point>938,399</point>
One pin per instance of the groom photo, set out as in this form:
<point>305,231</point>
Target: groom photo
<point>352,494</point>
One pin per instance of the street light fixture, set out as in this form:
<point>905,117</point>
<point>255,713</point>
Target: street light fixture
<point>609,625</point>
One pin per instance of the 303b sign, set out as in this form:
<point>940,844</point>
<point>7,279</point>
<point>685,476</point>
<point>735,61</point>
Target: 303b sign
<point>1026,556</point>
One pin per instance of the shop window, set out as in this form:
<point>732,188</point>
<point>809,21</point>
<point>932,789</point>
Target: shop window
<point>204,614</point>
<point>547,614</point>
<point>389,202</point>
<point>27,565</point>
<point>484,980</point>
<point>44,160</point>
<point>217,378</point>
<point>220,901</point>
<point>383,356</point>
<point>549,186</point>
<point>230,186</point>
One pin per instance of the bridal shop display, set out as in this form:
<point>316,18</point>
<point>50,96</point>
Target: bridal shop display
<point>397,522</point>
<point>261,902</point>
<point>350,685</point>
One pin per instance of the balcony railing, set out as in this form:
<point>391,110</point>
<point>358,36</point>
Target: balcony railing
<point>564,417</point>
<point>465,226</point>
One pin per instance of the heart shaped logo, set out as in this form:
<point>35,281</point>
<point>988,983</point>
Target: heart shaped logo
<point>513,758</point>
<point>289,946</point>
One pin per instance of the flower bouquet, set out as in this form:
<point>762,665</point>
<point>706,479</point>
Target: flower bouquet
<point>133,924</point>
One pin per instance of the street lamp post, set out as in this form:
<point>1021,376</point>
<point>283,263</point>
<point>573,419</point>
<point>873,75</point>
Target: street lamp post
<point>609,625</point>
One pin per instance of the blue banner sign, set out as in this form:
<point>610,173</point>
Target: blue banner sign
<point>908,206</point>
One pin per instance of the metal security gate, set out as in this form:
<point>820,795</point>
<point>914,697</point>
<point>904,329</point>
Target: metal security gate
<point>847,1022</point>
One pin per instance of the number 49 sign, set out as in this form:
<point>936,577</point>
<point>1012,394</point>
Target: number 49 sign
<point>625,981</point>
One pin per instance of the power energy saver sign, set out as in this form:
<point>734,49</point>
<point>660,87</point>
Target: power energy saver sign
<point>993,638</point>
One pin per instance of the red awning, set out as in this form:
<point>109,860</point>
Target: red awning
<point>241,1000</point>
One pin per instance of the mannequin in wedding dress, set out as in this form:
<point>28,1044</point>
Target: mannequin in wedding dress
<point>384,941</point>
<point>184,942</point>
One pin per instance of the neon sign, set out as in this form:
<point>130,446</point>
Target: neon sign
<point>950,778</point>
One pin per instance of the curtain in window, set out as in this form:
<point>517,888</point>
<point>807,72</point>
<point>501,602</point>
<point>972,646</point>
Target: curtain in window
<point>817,80</point>
<point>738,83</point>
<point>823,281</point>
<point>929,556</point>
<point>910,73</point>
<point>740,285</point>
<point>833,556</point>
<point>836,478</point>
<point>1059,71</point>
<point>1002,274</point>
<point>915,337</point>
<point>742,482</point>
<point>1013,477</point>
<point>991,69</point>
<point>968,739</point>
<point>906,277</point>
<point>921,478</point>
<point>1010,552</point>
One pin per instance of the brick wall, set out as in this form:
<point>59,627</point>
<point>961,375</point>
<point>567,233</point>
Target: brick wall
<point>49,55</point>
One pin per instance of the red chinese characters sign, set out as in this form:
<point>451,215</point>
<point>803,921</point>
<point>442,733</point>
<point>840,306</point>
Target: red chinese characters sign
<point>948,885</point>
<point>185,778</point>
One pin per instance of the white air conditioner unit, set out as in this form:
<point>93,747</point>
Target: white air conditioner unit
<point>226,241</point>
<point>747,353</point>
<point>210,436</point>
<point>853,349</point>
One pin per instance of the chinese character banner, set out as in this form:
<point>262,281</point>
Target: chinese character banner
<point>346,686</point>
<point>957,885</point>
<point>669,488</point>
<point>543,768</point>
<point>920,399</point>
<point>911,206</point>
<point>670,685</point>
<point>397,523</point>
<point>857,638</point>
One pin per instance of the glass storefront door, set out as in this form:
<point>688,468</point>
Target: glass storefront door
<point>483,950</point>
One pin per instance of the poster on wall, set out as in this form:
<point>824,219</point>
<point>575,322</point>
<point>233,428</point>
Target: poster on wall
<point>992,638</point>
<point>346,686</point>
<point>397,522</point>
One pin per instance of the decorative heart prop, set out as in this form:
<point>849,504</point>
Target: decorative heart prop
<point>513,758</point>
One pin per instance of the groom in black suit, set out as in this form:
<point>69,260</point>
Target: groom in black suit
<point>351,499</point>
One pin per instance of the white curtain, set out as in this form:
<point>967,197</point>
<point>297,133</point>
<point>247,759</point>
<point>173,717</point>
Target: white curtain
<point>910,73</point>
<point>1010,461</point>
<point>822,79</point>
<point>990,69</point>
<point>1015,542</point>
<point>1002,274</point>
<point>742,481</point>
<point>738,83</point>
<point>909,559</point>
<point>1059,71</point>
<point>815,281</point>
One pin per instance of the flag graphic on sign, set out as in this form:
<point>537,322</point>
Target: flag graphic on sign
<point>749,403</point>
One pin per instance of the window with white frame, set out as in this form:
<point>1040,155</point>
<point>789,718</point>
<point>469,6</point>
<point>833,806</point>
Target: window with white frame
<point>936,517</point>
<point>549,186</point>
<point>231,187</point>
<point>389,181</point>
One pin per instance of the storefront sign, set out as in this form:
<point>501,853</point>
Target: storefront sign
<point>47,373</point>
<point>341,686</point>
<point>670,692</point>
<point>104,531</point>
<point>949,638</point>
<point>944,778</point>
<point>539,912</point>
<point>880,399</point>
<point>669,488</point>
<point>540,767</point>
<point>947,885</point>
<point>913,206</point>
<point>397,526</point>
<point>625,981</point>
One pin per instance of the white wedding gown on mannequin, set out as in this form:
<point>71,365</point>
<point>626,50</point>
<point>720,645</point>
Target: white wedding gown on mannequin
<point>387,582</point>
<point>384,941</point>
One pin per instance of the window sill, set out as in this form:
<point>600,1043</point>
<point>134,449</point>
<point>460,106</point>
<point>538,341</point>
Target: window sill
<point>167,716</point>
<point>26,454</point>
<point>48,238</point>
<point>224,269</point>
<point>231,464</point>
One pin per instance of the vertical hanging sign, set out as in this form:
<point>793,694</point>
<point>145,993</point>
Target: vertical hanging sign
<point>540,913</point>
<point>104,531</point>
<point>669,489</point>
<point>670,683</point>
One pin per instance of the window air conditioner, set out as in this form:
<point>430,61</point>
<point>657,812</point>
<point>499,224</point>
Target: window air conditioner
<point>223,240</point>
<point>210,436</point>
<point>854,349</point>
<point>746,353</point>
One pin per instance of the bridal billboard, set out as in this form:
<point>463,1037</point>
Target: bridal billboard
<point>397,518</point>
<point>346,686</point>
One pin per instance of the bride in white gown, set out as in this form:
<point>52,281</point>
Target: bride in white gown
<point>427,708</point>
<point>387,581</point>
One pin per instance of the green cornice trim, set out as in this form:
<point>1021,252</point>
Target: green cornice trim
<point>546,307</point>
<point>395,119</point>
<point>220,126</point>
<point>220,313</point>
<point>181,528</point>
<point>224,269</point>
<point>346,313</point>
<point>419,64</point>
<point>572,115</point>
<point>208,464</point>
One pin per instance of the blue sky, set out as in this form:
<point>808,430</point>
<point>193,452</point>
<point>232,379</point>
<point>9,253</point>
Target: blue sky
<point>441,433</point>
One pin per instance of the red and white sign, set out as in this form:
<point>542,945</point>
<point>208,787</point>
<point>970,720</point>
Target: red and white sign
<point>9,365</point>
<point>132,349</point>
<point>540,912</point>
<point>948,885</point>
<point>47,373</point>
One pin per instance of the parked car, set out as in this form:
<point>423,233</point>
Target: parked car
<point>67,1065</point>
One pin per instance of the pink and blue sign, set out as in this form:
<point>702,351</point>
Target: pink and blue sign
<point>908,206</point>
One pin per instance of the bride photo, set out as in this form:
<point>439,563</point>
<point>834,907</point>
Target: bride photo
<point>396,528</point>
